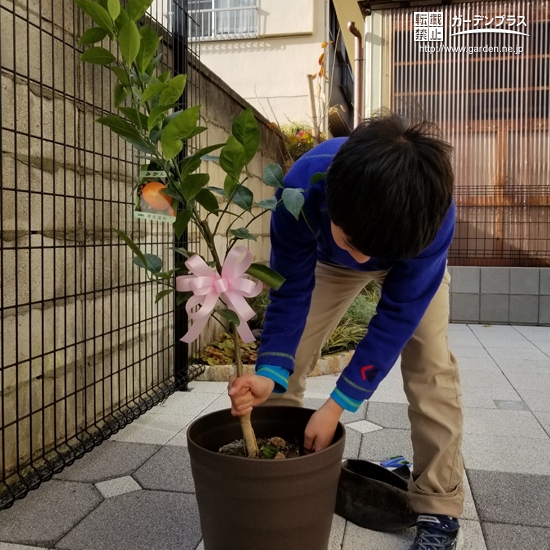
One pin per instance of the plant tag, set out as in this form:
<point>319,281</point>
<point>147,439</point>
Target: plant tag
<point>150,202</point>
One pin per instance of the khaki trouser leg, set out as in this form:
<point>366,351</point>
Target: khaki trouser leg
<point>335,289</point>
<point>432,385</point>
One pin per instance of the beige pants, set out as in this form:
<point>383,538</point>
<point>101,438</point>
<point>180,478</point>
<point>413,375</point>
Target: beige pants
<point>430,378</point>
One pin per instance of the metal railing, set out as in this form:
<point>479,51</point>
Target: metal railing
<point>225,23</point>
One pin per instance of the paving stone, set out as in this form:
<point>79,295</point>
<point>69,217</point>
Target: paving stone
<point>502,422</point>
<point>511,405</point>
<point>470,351</point>
<point>188,403</point>
<point>537,400</point>
<point>516,537</point>
<point>118,486</point>
<point>534,334</point>
<point>357,538</point>
<point>8,546</point>
<point>503,497</point>
<point>168,470</point>
<point>353,444</point>
<point>487,332</point>
<point>154,429</point>
<point>390,391</point>
<point>544,419</point>
<point>208,387</point>
<point>466,280</point>
<point>522,353</point>
<point>364,427</point>
<point>495,280</point>
<point>377,446</point>
<point>484,379</point>
<point>336,533</point>
<point>484,398</point>
<point>45,515</point>
<point>389,415</point>
<point>465,307</point>
<point>470,511</point>
<point>140,521</point>
<point>477,363</point>
<point>221,402</point>
<point>506,454</point>
<point>201,545</point>
<point>528,367</point>
<point>111,459</point>
<point>522,380</point>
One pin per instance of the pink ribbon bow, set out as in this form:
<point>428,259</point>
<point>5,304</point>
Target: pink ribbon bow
<point>208,285</point>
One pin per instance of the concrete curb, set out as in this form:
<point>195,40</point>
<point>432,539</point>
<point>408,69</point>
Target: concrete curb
<point>329,364</point>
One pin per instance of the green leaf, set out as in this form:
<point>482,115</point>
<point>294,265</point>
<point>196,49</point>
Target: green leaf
<point>126,131</point>
<point>183,252</point>
<point>266,275</point>
<point>121,75</point>
<point>243,197</point>
<point>182,220</point>
<point>217,190</point>
<point>156,114</point>
<point>82,4</point>
<point>229,185</point>
<point>98,55</point>
<point>164,77</point>
<point>242,233</point>
<point>100,17</point>
<point>207,200</point>
<point>120,93</point>
<point>152,90</point>
<point>192,184</point>
<point>91,36</point>
<point>151,67</point>
<point>114,8</point>
<point>191,163</point>
<point>133,246</point>
<point>231,316</point>
<point>129,41</point>
<point>246,130</point>
<point>232,157</point>
<point>268,204</point>
<point>134,116</point>
<point>179,128</point>
<point>273,175</point>
<point>137,8</point>
<point>150,262</point>
<point>174,193</point>
<point>293,199</point>
<point>149,44</point>
<point>173,90</point>
<point>166,275</point>
<point>121,20</point>
<point>318,176</point>
<point>162,294</point>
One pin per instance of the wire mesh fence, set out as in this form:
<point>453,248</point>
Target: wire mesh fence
<point>84,348</point>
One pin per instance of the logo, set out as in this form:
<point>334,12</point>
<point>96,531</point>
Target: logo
<point>364,371</point>
<point>428,26</point>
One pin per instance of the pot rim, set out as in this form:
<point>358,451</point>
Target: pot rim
<point>286,460</point>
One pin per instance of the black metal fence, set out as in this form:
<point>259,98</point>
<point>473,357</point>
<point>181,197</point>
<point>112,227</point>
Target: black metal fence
<point>84,348</point>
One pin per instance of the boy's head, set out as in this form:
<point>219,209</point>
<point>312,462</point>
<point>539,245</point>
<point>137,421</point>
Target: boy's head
<point>389,187</point>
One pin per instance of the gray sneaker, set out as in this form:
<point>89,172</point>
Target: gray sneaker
<point>436,532</point>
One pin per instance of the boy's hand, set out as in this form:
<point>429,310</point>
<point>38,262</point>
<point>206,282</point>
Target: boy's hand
<point>247,391</point>
<point>321,426</point>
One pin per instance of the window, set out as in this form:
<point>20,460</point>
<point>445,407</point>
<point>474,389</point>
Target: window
<point>224,19</point>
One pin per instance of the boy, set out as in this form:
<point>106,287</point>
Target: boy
<point>383,212</point>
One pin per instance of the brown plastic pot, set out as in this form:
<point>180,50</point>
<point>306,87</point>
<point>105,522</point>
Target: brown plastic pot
<point>263,504</point>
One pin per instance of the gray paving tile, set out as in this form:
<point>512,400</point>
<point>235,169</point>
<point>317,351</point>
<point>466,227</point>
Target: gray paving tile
<point>353,444</point>
<point>516,537</point>
<point>544,310</point>
<point>502,497</point>
<point>506,454</point>
<point>530,366</point>
<point>168,470</point>
<point>140,521</point>
<point>9,546</point>
<point>537,400</point>
<point>470,351</point>
<point>208,387</point>
<point>390,389</point>
<point>502,422</point>
<point>336,533</point>
<point>155,429</point>
<point>544,419</point>
<point>523,353</point>
<point>534,334</point>
<point>111,459</point>
<point>528,381</point>
<point>545,281</point>
<point>117,486</point>
<point>470,511</point>
<point>524,280</point>
<point>221,402</point>
<point>495,280</point>
<point>379,445</point>
<point>45,515</point>
<point>511,405</point>
<point>389,415</point>
<point>477,363</point>
<point>483,379</point>
<point>357,538</point>
<point>484,398</point>
<point>185,403</point>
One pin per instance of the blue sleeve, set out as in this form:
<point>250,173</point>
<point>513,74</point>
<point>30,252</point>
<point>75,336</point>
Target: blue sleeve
<point>407,292</point>
<point>277,374</point>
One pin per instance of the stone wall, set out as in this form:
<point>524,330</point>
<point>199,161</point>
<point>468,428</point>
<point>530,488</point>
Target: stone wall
<point>81,336</point>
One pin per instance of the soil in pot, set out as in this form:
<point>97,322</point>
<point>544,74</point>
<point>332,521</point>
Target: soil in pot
<point>270,448</point>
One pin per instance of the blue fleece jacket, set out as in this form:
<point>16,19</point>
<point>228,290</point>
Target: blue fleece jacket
<point>296,247</point>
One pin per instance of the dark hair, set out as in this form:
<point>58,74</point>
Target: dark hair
<point>390,186</point>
